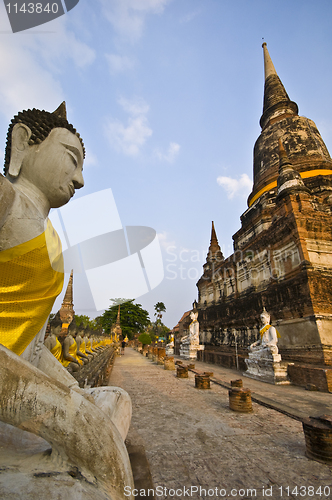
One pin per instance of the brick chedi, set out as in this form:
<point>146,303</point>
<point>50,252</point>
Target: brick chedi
<point>67,312</point>
<point>282,256</point>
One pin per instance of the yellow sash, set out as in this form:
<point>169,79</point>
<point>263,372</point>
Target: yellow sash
<point>266,327</point>
<point>57,351</point>
<point>31,277</point>
<point>73,352</point>
<point>82,347</point>
<point>88,346</point>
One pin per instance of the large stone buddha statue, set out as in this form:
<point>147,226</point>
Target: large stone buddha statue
<point>85,429</point>
<point>43,168</point>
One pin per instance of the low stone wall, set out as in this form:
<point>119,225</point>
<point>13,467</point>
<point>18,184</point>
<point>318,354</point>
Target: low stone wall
<point>225,358</point>
<point>98,370</point>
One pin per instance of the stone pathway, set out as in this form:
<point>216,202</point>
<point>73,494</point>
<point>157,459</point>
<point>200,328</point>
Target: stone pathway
<point>198,448</point>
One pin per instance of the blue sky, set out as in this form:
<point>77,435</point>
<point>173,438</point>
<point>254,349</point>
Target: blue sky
<point>167,95</point>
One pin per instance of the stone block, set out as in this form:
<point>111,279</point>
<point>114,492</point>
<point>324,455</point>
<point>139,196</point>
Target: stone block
<point>169,363</point>
<point>182,371</point>
<point>304,375</point>
<point>240,400</point>
<point>318,438</point>
<point>237,383</point>
<point>202,381</point>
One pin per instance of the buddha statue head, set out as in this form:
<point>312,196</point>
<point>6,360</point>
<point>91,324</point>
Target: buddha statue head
<point>72,328</point>
<point>80,330</point>
<point>45,154</point>
<point>56,325</point>
<point>265,317</point>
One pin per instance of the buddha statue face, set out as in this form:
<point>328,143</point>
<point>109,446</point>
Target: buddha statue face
<point>53,167</point>
<point>56,330</point>
<point>265,318</point>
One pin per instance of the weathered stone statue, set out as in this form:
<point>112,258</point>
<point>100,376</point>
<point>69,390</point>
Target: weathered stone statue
<point>52,342</point>
<point>269,337</point>
<point>43,168</point>
<point>71,360</point>
<point>194,328</point>
<point>190,343</point>
<point>264,362</point>
<point>81,344</point>
<point>87,341</point>
<point>64,428</point>
<point>170,347</point>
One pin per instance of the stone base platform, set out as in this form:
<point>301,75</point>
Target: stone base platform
<point>189,351</point>
<point>267,370</point>
<point>305,375</point>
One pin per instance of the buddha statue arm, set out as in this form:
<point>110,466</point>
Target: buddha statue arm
<point>49,343</point>
<point>37,403</point>
<point>7,195</point>
<point>65,351</point>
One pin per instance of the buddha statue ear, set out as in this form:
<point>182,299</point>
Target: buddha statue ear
<point>19,147</point>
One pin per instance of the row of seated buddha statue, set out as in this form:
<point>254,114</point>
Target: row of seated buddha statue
<point>77,348</point>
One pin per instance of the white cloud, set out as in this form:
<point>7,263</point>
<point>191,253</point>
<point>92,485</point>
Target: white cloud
<point>91,160</point>
<point>189,17</point>
<point>119,64</point>
<point>128,16</point>
<point>236,187</point>
<point>136,107</point>
<point>165,242</point>
<point>32,63</point>
<point>170,155</point>
<point>130,138</point>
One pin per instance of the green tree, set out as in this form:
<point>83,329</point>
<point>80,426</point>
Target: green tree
<point>133,318</point>
<point>159,308</point>
<point>160,330</point>
<point>93,324</point>
<point>145,339</point>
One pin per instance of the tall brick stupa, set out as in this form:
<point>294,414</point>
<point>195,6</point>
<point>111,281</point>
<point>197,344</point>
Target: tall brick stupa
<point>67,312</point>
<point>282,256</point>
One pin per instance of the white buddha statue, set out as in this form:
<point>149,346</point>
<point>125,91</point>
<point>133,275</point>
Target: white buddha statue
<point>269,336</point>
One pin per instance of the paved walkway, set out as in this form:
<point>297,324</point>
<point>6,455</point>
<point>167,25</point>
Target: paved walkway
<point>194,442</point>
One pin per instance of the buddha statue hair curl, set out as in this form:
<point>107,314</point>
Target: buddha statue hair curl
<point>40,123</point>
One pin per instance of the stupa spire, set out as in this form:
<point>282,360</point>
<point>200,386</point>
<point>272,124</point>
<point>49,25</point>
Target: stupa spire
<point>277,104</point>
<point>118,317</point>
<point>67,312</point>
<point>269,68</point>
<point>214,252</point>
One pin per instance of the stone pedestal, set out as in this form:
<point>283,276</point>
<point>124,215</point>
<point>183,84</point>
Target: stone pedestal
<point>182,371</point>
<point>240,400</point>
<point>155,354</point>
<point>169,363</point>
<point>161,355</point>
<point>266,366</point>
<point>202,381</point>
<point>150,352</point>
<point>237,383</point>
<point>318,438</point>
<point>189,351</point>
